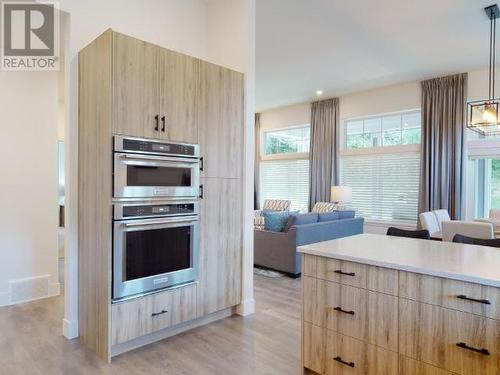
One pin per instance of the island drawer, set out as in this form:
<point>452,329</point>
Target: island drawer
<point>408,366</point>
<point>360,313</point>
<point>456,341</point>
<point>374,278</point>
<point>327,352</point>
<point>458,295</point>
<point>148,314</point>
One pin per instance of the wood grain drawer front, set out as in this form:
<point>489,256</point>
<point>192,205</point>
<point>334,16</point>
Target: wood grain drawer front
<point>363,314</point>
<point>378,279</point>
<point>174,307</point>
<point>144,315</point>
<point>408,366</point>
<point>458,295</point>
<point>327,352</point>
<point>453,340</point>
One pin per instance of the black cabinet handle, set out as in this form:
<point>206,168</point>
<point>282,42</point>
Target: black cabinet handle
<point>345,273</point>
<point>339,309</point>
<point>159,313</point>
<point>463,345</point>
<point>339,359</point>
<point>163,123</point>
<point>201,191</point>
<point>157,122</point>
<point>485,301</point>
<point>202,164</point>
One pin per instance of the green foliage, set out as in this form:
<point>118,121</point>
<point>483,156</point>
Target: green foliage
<point>280,145</point>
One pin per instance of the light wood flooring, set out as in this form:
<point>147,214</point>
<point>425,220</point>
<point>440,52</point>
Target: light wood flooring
<point>267,342</point>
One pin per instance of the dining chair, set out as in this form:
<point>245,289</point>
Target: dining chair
<point>428,220</point>
<point>459,238</point>
<point>441,215</point>
<point>396,232</point>
<point>467,228</point>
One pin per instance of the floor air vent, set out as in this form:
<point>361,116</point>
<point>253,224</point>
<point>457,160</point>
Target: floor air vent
<point>23,290</point>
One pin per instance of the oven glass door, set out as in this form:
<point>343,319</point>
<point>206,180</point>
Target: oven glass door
<point>140,176</point>
<point>153,254</point>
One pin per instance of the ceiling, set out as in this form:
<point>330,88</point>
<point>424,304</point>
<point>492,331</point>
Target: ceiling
<point>343,46</point>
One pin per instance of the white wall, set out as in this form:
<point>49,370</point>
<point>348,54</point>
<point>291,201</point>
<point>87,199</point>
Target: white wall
<point>29,180</point>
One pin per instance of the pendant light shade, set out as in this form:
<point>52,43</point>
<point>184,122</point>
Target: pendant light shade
<point>483,115</point>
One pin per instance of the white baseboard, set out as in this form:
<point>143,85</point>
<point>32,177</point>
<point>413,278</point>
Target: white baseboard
<point>70,329</point>
<point>54,289</point>
<point>246,307</point>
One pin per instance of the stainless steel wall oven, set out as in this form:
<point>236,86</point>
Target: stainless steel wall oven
<point>155,245</point>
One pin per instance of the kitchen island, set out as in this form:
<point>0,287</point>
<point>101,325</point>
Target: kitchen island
<point>374,304</point>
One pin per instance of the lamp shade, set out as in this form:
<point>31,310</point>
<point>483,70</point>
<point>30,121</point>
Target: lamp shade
<point>341,194</point>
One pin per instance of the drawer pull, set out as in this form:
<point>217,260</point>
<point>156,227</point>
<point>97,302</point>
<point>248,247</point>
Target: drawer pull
<point>345,273</point>
<point>485,301</point>
<point>159,313</point>
<point>339,309</point>
<point>339,359</point>
<point>463,345</point>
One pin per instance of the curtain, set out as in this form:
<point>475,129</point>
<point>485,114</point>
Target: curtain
<point>323,170</point>
<point>256,193</point>
<point>443,120</point>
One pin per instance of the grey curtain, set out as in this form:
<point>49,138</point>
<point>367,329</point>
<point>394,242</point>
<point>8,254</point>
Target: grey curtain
<point>443,120</point>
<point>256,196</point>
<point>323,171</point>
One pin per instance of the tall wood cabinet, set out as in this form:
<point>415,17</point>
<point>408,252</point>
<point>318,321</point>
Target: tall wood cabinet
<point>134,88</point>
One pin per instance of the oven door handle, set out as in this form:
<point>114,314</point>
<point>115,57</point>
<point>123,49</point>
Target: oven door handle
<point>141,223</point>
<point>160,159</point>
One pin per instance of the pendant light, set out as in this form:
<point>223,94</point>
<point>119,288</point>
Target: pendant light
<point>483,114</point>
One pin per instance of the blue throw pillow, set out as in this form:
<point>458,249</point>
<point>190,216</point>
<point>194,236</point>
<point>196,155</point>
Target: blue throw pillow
<point>329,216</point>
<point>275,220</point>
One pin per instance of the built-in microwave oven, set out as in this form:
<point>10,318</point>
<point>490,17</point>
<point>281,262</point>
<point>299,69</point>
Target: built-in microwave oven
<point>145,168</point>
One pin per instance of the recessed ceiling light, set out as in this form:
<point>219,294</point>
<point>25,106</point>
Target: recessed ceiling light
<point>319,92</point>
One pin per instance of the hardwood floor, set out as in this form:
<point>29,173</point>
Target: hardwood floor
<point>267,342</point>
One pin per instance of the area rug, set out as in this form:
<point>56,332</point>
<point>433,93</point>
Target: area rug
<point>267,273</point>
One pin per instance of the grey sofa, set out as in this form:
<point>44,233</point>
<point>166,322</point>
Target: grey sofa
<point>278,250</point>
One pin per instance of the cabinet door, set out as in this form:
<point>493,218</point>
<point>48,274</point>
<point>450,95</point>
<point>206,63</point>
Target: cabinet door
<point>220,245</point>
<point>179,85</point>
<point>220,121</point>
<point>135,86</point>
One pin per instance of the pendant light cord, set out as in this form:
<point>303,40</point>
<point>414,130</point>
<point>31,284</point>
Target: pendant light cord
<point>491,58</point>
<point>494,57</point>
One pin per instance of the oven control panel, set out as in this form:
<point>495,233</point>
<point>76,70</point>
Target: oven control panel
<point>154,147</point>
<point>157,210</point>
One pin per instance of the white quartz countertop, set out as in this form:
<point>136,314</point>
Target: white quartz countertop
<point>477,264</point>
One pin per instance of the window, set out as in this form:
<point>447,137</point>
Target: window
<point>488,186</point>
<point>294,140</point>
<point>284,166</point>
<point>380,161</point>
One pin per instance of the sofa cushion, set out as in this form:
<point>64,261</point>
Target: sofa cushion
<point>275,220</point>
<point>329,216</point>
<point>301,219</point>
<point>346,214</point>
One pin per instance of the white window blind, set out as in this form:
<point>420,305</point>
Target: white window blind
<point>286,179</point>
<point>384,186</point>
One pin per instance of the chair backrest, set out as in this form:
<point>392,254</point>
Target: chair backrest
<point>276,205</point>
<point>322,207</point>
<point>494,213</point>
<point>466,228</point>
<point>441,215</point>
<point>429,221</point>
<point>459,238</point>
<point>423,234</point>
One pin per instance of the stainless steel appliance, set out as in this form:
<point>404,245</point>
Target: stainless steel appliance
<point>147,169</point>
<point>155,246</point>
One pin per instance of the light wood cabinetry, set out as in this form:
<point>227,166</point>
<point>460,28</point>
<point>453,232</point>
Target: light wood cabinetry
<point>457,295</point>
<point>141,316</point>
<point>133,88</point>
<point>220,247</point>
<point>220,123</point>
<point>354,323</point>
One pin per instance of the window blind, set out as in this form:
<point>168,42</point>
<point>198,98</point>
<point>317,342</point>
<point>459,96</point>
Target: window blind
<point>286,179</point>
<point>384,186</point>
